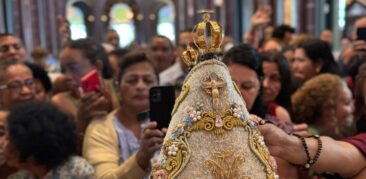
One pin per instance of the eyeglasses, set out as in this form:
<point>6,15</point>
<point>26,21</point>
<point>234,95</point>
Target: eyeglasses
<point>16,86</point>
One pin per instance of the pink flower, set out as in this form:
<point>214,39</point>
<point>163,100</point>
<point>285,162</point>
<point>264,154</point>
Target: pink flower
<point>160,174</point>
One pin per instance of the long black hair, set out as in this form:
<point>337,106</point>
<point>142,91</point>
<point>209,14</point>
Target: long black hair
<point>283,99</point>
<point>246,55</point>
<point>318,50</point>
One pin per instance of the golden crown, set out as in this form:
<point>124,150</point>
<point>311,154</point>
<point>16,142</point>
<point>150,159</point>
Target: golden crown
<point>207,36</point>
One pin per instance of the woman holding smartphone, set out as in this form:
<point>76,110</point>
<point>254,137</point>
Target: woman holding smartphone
<point>120,145</point>
<point>77,59</point>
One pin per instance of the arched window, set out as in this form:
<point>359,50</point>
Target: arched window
<point>165,25</point>
<point>77,24</point>
<point>122,21</point>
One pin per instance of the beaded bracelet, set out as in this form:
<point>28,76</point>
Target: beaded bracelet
<point>309,161</point>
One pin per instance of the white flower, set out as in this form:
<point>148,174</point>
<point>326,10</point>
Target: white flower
<point>172,150</point>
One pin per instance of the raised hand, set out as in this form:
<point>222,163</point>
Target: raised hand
<point>151,141</point>
<point>261,17</point>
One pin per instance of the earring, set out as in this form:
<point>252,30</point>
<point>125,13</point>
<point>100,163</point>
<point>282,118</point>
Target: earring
<point>317,70</point>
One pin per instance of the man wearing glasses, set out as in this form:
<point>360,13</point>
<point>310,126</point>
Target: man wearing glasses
<point>16,84</point>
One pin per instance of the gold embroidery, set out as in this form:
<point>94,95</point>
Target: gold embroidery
<point>237,90</point>
<point>182,96</point>
<point>226,165</point>
<point>258,148</point>
<point>174,164</point>
<point>177,159</point>
<point>212,84</point>
<point>210,122</point>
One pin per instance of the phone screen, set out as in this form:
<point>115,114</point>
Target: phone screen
<point>361,33</point>
<point>162,100</point>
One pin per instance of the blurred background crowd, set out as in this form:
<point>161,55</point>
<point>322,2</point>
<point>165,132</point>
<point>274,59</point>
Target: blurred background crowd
<point>298,64</point>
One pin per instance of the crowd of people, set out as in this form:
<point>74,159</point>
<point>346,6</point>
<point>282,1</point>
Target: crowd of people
<point>51,128</point>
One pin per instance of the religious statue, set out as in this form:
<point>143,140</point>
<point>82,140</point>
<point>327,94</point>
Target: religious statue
<point>211,134</point>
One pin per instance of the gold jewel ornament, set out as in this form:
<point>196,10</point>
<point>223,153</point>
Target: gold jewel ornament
<point>208,34</point>
<point>190,56</point>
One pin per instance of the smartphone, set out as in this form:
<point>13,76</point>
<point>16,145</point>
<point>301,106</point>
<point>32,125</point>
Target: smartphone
<point>144,116</point>
<point>90,82</point>
<point>361,33</point>
<point>162,100</point>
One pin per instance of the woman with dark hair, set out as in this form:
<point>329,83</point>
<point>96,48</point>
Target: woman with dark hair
<point>78,58</point>
<point>313,57</point>
<point>41,141</point>
<point>43,84</point>
<point>245,70</point>
<point>276,84</point>
<point>16,86</point>
<point>120,145</point>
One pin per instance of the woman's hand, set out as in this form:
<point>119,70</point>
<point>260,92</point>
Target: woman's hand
<point>275,138</point>
<point>359,45</point>
<point>92,105</point>
<point>262,16</point>
<point>301,129</point>
<point>151,141</point>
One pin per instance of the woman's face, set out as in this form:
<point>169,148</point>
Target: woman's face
<point>345,105</point>
<point>18,86</point>
<point>135,85</point>
<point>247,81</point>
<point>74,66</point>
<point>302,66</point>
<point>271,82</point>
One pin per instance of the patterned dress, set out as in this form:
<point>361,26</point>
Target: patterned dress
<point>75,168</point>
